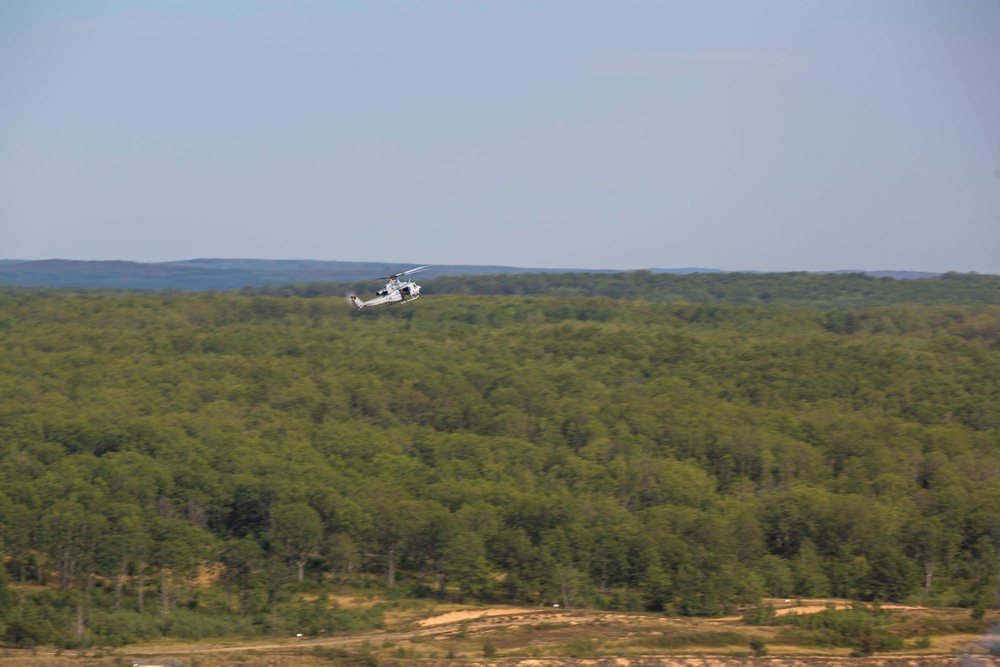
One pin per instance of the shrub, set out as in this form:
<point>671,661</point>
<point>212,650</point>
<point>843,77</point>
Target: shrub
<point>193,625</point>
<point>582,648</point>
<point>760,614</point>
<point>315,618</point>
<point>861,627</point>
<point>708,638</point>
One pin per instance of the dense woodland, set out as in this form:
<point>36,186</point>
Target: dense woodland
<point>193,464</point>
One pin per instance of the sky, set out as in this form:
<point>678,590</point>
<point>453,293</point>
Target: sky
<point>741,134</point>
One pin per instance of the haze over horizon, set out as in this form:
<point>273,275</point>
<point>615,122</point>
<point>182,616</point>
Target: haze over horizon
<point>243,262</point>
<point>771,136</point>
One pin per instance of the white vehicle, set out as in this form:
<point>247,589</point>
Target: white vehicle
<point>395,291</point>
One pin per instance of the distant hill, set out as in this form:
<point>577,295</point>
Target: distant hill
<point>903,275</point>
<point>229,274</point>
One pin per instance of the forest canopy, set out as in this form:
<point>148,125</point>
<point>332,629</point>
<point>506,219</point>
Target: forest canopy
<point>625,454</point>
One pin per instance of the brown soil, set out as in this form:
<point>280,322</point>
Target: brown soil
<point>453,617</point>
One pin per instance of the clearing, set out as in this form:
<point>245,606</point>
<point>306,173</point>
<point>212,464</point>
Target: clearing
<point>438,635</point>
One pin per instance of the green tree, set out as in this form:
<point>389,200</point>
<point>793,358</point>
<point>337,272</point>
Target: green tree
<point>340,554</point>
<point>465,563</point>
<point>892,576</point>
<point>124,542</point>
<point>656,587</point>
<point>178,547</point>
<point>71,533</point>
<point>396,524</point>
<point>242,557</point>
<point>297,531</point>
<point>810,577</point>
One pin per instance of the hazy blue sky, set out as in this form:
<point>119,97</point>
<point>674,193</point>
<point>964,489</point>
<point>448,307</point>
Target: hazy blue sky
<point>790,135</point>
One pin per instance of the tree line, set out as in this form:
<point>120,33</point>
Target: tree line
<point>830,291</point>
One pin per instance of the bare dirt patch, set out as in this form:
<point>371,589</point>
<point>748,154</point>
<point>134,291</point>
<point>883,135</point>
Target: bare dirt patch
<point>816,605</point>
<point>461,616</point>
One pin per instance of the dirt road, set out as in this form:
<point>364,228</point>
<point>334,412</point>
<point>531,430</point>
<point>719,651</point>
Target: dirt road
<point>528,637</point>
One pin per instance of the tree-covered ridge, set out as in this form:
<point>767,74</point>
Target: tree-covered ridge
<point>821,291</point>
<point>626,454</point>
<point>210,274</point>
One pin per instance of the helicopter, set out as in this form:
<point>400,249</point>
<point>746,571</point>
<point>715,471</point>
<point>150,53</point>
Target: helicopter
<point>395,291</point>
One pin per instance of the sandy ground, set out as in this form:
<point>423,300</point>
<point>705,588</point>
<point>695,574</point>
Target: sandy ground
<point>475,614</point>
<point>812,606</point>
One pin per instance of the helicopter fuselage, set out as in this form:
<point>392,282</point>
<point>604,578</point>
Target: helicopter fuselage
<point>394,292</point>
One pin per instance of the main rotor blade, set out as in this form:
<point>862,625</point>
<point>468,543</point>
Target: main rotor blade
<point>396,275</point>
<point>419,268</point>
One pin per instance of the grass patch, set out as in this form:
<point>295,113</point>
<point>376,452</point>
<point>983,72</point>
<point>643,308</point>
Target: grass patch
<point>549,626</point>
<point>943,625</point>
<point>710,638</point>
<point>582,648</point>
